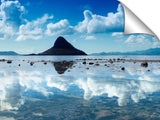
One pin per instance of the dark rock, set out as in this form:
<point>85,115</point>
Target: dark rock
<point>91,63</point>
<point>45,63</point>
<point>145,64</point>
<point>2,60</point>
<point>84,62</point>
<point>62,47</point>
<point>110,61</point>
<point>64,61</point>
<point>31,63</point>
<point>9,61</point>
<point>96,64</point>
<point>123,68</point>
<point>118,59</point>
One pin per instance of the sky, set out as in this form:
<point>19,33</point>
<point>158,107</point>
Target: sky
<point>31,26</point>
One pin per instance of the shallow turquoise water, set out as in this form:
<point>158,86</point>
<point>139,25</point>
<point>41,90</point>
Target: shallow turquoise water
<point>73,90</point>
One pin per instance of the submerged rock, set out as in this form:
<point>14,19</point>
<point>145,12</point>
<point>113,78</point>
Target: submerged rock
<point>123,68</point>
<point>31,63</point>
<point>96,64</point>
<point>145,64</point>
<point>91,63</point>
<point>9,61</point>
<point>110,60</point>
<point>45,63</point>
<point>2,60</point>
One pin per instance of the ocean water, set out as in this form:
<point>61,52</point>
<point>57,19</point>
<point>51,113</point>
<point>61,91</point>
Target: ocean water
<point>64,87</point>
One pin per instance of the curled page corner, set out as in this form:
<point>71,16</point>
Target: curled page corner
<point>134,25</point>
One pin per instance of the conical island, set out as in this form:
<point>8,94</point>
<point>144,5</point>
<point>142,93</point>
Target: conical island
<point>62,47</point>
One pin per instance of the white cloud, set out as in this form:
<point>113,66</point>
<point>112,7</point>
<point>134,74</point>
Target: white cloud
<point>10,18</point>
<point>118,34</point>
<point>93,23</point>
<point>28,37</point>
<point>12,23</point>
<point>6,31</point>
<point>33,30</point>
<point>6,118</point>
<point>135,39</point>
<point>90,38</point>
<point>60,28</point>
<point>11,13</point>
<point>144,41</point>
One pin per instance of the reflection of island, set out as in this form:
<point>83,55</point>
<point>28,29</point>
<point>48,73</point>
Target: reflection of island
<point>61,67</point>
<point>42,92</point>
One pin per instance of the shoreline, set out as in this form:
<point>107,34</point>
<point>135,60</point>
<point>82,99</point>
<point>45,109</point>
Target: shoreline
<point>91,60</point>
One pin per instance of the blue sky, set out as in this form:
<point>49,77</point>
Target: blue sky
<point>31,26</point>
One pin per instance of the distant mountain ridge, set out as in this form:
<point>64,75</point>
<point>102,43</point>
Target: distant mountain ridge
<point>8,53</point>
<point>62,47</point>
<point>152,51</point>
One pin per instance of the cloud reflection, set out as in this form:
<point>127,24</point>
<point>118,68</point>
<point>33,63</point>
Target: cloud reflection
<point>126,86</point>
<point>13,85</point>
<point>123,89</point>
